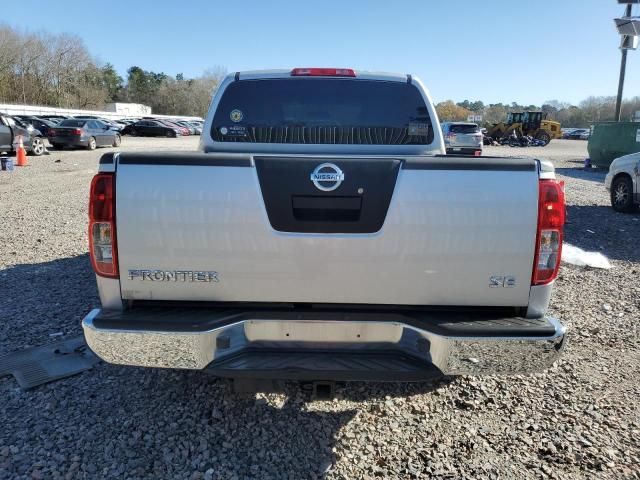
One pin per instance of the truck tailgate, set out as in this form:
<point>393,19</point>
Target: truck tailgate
<point>411,231</point>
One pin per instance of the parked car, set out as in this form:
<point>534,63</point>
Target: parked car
<point>54,118</point>
<point>623,183</point>
<point>181,129</point>
<point>11,129</point>
<point>184,124</point>
<point>462,137</point>
<point>41,124</point>
<point>113,125</point>
<point>196,127</point>
<point>579,134</point>
<point>78,132</point>
<point>151,128</point>
<point>24,118</point>
<point>325,244</point>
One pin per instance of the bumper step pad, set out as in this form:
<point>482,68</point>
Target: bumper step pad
<point>337,366</point>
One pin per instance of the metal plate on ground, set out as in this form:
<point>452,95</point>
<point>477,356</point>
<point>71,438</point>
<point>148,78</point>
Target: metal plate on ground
<point>39,365</point>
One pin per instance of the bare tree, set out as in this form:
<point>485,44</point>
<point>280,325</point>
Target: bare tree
<point>46,69</point>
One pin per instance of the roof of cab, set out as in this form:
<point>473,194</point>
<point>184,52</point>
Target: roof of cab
<point>283,73</point>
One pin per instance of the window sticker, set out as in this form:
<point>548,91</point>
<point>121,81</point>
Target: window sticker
<point>421,129</point>
<point>234,131</point>
<point>236,115</point>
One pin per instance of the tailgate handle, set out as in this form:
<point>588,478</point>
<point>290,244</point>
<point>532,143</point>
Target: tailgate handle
<point>326,208</point>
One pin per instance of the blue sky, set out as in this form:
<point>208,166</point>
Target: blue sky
<point>490,50</point>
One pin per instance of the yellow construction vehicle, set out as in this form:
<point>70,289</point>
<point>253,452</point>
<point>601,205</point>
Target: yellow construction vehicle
<point>531,124</point>
<point>501,130</point>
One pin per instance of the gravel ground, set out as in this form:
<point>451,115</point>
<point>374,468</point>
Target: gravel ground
<point>580,419</point>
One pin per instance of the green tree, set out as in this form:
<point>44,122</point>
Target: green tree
<point>112,82</point>
<point>477,106</point>
<point>143,86</point>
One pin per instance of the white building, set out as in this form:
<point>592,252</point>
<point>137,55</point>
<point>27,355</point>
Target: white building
<point>128,109</point>
<point>113,111</point>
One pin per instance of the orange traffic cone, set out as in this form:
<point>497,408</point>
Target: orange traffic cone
<point>21,154</point>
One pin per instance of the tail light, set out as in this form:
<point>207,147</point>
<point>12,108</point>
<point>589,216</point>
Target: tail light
<point>52,133</point>
<point>77,131</point>
<point>551,211</point>
<point>323,72</point>
<point>102,225</point>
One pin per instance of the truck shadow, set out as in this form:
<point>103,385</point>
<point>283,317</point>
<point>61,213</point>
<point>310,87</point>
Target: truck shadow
<point>41,299</point>
<point>372,391</point>
<point>145,423</point>
<point>601,229</point>
<point>243,436</point>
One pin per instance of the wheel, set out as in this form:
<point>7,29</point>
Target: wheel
<point>116,141</point>
<point>544,137</point>
<point>92,144</point>
<point>171,134</point>
<point>133,132</point>
<point>622,194</point>
<point>37,146</point>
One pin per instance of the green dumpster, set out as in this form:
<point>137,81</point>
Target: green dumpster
<point>610,140</point>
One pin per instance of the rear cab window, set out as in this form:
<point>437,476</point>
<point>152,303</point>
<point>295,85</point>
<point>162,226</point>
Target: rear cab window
<point>72,123</point>
<point>467,128</point>
<point>322,111</point>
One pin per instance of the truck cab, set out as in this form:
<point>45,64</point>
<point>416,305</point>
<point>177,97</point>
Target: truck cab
<point>321,233</point>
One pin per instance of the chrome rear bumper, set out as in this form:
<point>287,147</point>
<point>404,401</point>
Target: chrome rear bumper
<point>359,344</point>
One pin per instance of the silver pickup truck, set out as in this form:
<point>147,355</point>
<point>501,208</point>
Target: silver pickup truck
<point>321,233</point>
